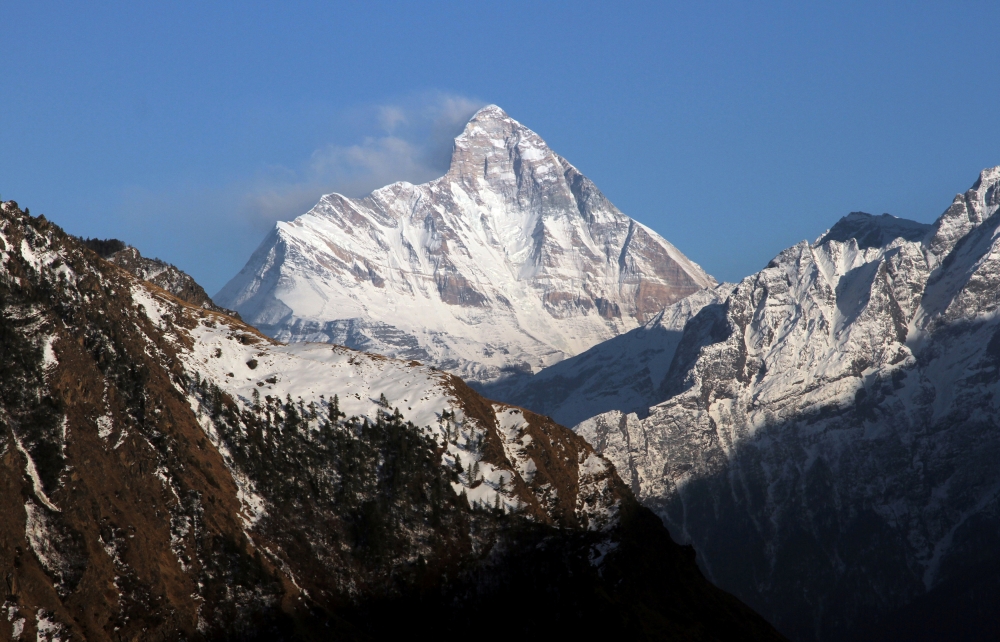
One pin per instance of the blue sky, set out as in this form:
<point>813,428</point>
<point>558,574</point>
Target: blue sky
<point>734,130</point>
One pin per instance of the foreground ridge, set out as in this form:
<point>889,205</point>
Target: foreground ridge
<point>167,472</point>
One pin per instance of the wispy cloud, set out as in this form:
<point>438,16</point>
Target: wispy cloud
<point>413,144</point>
<point>214,230</point>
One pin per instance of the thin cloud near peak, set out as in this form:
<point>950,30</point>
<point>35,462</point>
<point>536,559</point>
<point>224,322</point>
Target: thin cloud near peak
<point>414,144</point>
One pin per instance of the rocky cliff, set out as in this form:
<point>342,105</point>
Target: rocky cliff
<point>510,262</point>
<point>828,432</point>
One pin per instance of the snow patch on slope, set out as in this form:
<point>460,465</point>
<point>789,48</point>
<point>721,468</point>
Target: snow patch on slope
<point>32,471</point>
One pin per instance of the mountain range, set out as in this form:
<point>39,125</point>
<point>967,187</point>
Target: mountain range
<point>378,444</point>
<point>809,430</point>
<point>826,431</point>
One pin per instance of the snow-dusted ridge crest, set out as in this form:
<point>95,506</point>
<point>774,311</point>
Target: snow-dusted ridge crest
<point>512,261</point>
<point>837,414</point>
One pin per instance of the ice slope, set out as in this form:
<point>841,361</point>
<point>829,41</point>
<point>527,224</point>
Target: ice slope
<point>510,262</point>
<point>829,434</point>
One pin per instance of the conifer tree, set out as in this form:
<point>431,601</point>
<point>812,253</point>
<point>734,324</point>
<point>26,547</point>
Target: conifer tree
<point>334,412</point>
<point>291,417</point>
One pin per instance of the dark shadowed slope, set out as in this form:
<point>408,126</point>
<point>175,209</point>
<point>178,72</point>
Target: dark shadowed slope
<point>624,374</point>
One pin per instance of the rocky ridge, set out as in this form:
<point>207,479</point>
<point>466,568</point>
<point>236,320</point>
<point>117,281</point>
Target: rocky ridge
<point>160,273</point>
<point>510,262</point>
<point>828,431</point>
<point>167,472</point>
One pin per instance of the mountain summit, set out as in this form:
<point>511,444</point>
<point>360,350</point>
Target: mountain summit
<point>510,262</point>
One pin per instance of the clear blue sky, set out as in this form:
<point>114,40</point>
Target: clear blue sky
<point>733,129</point>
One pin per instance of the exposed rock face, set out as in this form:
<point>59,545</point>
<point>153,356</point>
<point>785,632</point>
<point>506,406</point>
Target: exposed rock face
<point>166,276</point>
<point>830,432</point>
<point>510,262</point>
<point>167,472</point>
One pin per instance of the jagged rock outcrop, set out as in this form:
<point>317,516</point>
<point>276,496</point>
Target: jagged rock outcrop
<point>510,262</point>
<point>160,273</point>
<point>169,473</point>
<point>829,432</point>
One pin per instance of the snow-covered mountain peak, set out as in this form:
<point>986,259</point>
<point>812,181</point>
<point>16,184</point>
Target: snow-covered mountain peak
<point>511,261</point>
<point>491,127</point>
<point>490,117</point>
<point>967,212</point>
<point>492,124</point>
<point>988,178</point>
<point>496,152</point>
<point>874,231</point>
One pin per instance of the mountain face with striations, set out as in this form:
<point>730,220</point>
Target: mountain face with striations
<point>510,262</point>
<point>827,432</point>
<point>169,473</point>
